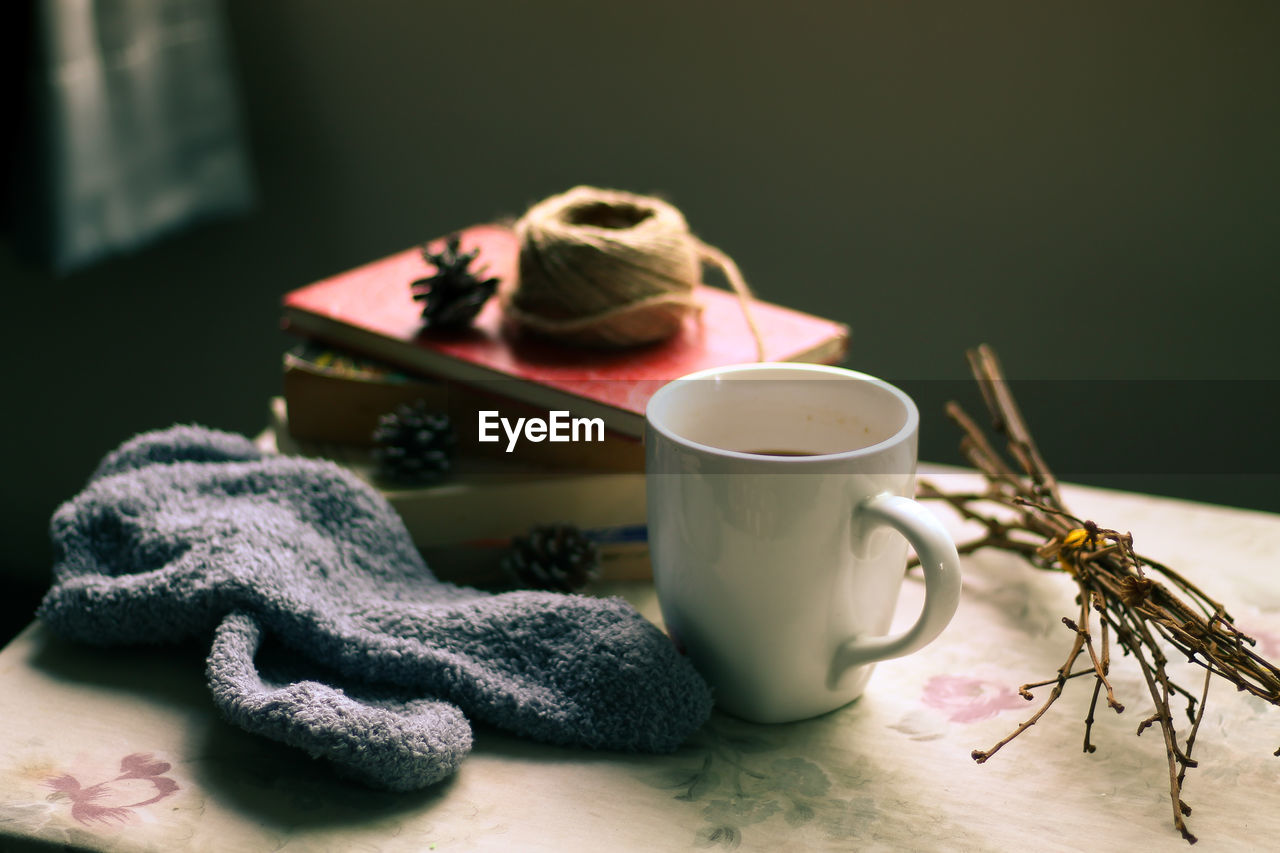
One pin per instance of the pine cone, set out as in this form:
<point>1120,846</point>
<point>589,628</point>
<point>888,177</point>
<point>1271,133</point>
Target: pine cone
<point>414,446</point>
<point>553,556</point>
<point>454,295</point>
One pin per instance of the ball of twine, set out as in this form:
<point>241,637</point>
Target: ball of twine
<point>611,269</point>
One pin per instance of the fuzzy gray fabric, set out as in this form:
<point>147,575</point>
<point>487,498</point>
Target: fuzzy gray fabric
<point>328,630</point>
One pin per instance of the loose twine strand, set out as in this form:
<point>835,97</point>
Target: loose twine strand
<point>609,268</point>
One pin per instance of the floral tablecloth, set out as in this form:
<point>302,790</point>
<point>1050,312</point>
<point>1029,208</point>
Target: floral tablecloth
<point>120,749</point>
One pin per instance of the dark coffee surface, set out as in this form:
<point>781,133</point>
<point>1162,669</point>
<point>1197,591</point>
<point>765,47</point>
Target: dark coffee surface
<point>782,453</point>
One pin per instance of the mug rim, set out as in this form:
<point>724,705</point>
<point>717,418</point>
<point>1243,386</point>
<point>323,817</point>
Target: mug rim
<point>909,427</point>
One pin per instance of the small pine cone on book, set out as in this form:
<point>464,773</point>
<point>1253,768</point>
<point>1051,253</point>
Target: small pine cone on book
<point>414,446</point>
<point>553,556</point>
<point>454,294</point>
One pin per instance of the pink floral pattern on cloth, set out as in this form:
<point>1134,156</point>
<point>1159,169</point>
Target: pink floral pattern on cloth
<point>965,699</point>
<point>1268,642</point>
<point>141,782</point>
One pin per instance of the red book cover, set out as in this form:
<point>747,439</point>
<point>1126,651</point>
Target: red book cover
<point>371,310</point>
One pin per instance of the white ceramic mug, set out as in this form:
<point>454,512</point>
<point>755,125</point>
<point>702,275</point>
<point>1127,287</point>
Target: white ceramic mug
<point>779,515</point>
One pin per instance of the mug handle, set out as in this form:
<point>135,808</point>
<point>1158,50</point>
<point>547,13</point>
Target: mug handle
<point>941,566</point>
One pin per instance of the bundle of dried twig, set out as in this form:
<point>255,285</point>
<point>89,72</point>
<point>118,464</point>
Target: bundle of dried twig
<point>1137,600</point>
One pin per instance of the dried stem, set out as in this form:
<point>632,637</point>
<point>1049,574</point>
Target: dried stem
<point>1138,601</point>
<point>1063,674</point>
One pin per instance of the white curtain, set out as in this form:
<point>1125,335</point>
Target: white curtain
<point>142,123</point>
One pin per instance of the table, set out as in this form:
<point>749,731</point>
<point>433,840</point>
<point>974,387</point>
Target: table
<point>889,772</point>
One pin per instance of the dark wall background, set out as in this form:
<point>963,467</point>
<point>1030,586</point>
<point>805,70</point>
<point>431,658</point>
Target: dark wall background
<point>1091,188</point>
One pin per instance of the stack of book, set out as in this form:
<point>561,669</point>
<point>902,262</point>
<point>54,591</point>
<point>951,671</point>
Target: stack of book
<point>364,351</point>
